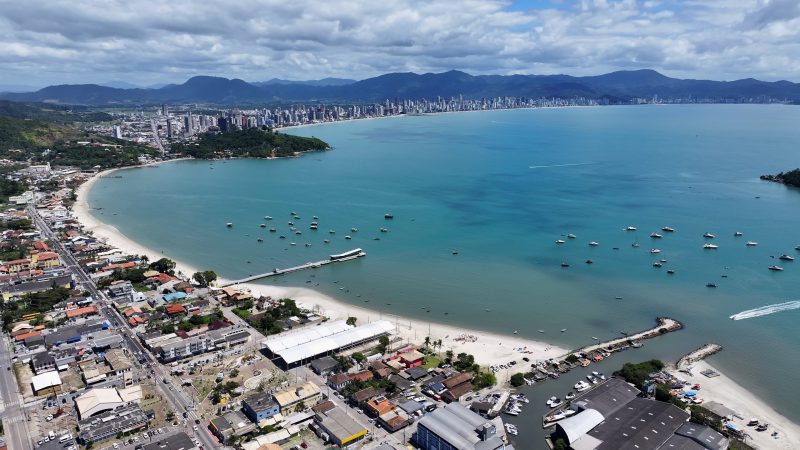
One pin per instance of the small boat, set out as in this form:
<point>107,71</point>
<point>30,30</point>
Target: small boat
<point>560,241</point>
<point>657,264</point>
<point>589,261</point>
<point>671,272</point>
<point>797,248</point>
<point>655,250</point>
<point>260,240</point>
<point>751,243</point>
<point>655,236</point>
<point>384,230</point>
<point>293,213</point>
<point>327,241</point>
<point>737,234</point>
<point>229,224</point>
<point>263,225</point>
<point>571,236</point>
<point>710,246</point>
<point>591,379</point>
<point>354,230</point>
<point>267,217</point>
<point>291,224</point>
<point>711,285</point>
<point>635,245</point>
<point>668,229</point>
<point>388,216</point>
<point>555,417</point>
<point>315,218</point>
<point>595,338</point>
<point>298,232</point>
<point>786,257</point>
<point>581,386</point>
<point>708,236</point>
<point>348,237</point>
<point>272,230</point>
<point>593,244</point>
<point>570,395</point>
<point>599,375</point>
<point>563,264</point>
<point>563,330</point>
<point>292,243</point>
<point>332,231</point>
<point>631,228</point>
<point>282,237</point>
<point>776,268</point>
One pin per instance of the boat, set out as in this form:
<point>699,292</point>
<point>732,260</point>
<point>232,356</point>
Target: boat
<point>229,224</point>
<point>593,244</point>
<point>291,224</point>
<point>655,236</point>
<point>786,257</point>
<point>308,245</point>
<point>563,264</point>
<point>655,250</point>
<point>520,398</point>
<point>282,237</point>
<point>635,245</point>
<point>595,338</point>
<point>737,234</point>
<point>555,417</point>
<point>671,272</point>
<point>384,230</point>
<point>589,261</point>
<point>298,232</point>
<point>511,429</point>
<point>263,225</point>
<point>348,237</point>
<point>293,213</point>
<point>591,379</point>
<point>708,236</point>
<point>354,230</point>
<point>797,248</point>
<point>710,246</point>
<point>260,240</point>
<point>315,218</point>
<point>272,230</point>
<point>554,402</point>
<point>332,231</point>
<point>292,243</point>
<point>751,243</point>
<point>388,216</point>
<point>711,285</point>
<point>563,330</point>
<point>599,375</point>
<point>570,395</point>
<point>581,386</point>
<point>668,229</point>
<point>312,227</point>
<point>657,264</point>
<point>571,236</point>
<point>776,268</point>
<point>267,217</point>
<point>327,241</point>
<point>560,241</point>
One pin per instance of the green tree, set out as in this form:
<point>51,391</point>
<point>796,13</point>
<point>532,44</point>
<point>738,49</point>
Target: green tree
<point>383,344</point>
<point>358,357</point>
<point>517,380</point>
<point>234,373</point>
<point>484,380</point>
<point>351,321</point>
<point>448,357</point>
<point>164,265</point>
<point>167,328</point>
<point>427,341</point>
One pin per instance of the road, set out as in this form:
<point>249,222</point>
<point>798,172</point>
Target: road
<point>14,420</point>
<point>175,397</point>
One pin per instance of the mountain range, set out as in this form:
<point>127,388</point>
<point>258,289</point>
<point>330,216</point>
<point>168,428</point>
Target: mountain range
<point>613,87</point>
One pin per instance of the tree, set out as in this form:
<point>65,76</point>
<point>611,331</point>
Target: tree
<point>484,380</point>
<point>427,341</point>
<point>205,278</point>
<point>351,321</point>
<point>343,363</point>
<point>168,328</point>
<point>234,373</point>
<point>164,265</point>
<point>517,380</point>
<point>448,357</point>
<point>358,357</point>
<point>383,344</point>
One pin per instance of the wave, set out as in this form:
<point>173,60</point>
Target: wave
<point>766,310</point>
<point>560,165</point>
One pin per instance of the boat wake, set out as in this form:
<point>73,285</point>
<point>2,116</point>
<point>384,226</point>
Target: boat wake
<point>766,310</point>
<point>560,165</point>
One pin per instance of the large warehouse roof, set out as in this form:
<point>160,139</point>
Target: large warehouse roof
<point>45,380</point>
<point>325,338</point>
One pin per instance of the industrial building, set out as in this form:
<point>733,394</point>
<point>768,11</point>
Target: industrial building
<point>455,427</point>
<point>305,345</point>
<point>108,424</point>
<point>339,428</point>
<point>177,441</point>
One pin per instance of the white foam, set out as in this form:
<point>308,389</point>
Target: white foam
<point>766,310</point>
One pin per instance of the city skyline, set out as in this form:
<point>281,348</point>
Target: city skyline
<point>64,43</point>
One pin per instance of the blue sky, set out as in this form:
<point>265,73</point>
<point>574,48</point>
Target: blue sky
<point>145,42</point>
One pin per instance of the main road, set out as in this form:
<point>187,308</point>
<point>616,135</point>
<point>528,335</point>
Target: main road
<point>174,397</point>
<point>15,421</point>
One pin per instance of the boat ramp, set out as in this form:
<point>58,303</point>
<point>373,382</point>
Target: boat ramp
<point>346,256</point>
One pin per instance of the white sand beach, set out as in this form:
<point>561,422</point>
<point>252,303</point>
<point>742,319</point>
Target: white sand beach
<point>724,390</point>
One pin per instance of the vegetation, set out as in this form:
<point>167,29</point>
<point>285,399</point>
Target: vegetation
<point>17,224</point>
<point>8,187</point>
<point>483,380</point>
<point>59,114</point>
<point>205,278</point>
<point>39,302</point>
<point>164,265</point>
<point>351,321</point>
<point>357,385</point>
<point>266,322</point>
<point>358,357</point>
<point>252,142</point>
<point>703,416</point>
<point>383,344</point>
<point>639,373</point>
<point>517,380</point>
<point>791,178</point>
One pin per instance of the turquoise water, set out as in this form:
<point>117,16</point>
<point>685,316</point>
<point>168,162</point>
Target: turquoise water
<point>476,183</point>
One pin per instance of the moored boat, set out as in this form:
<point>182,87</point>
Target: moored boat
<point>655,236</point>
<point>655,250</point>
<point>708,235</point>
<point>668,229</point>
<point>776,268</point>
<point>710,246</point>
<point>630,228</point>
<point>786,257</point>
<point>751,243</point>
<point>593,244</point>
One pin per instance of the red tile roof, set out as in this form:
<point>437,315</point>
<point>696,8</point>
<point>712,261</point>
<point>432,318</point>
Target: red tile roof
<point>81,311</point>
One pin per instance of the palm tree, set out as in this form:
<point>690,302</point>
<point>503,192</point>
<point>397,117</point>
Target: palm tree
<point>427,341</point>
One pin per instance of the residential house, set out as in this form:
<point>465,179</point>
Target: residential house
<point>298,397</point>
<point>259,406</point>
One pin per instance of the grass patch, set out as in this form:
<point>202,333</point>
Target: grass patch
<point>431,361</point>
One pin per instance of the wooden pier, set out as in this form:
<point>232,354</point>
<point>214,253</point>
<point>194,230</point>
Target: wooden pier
<point>309,265</point>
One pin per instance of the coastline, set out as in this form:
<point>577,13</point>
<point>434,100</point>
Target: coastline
<point>488,348</point>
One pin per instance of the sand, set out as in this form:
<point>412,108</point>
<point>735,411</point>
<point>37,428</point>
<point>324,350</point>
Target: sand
<point>724,390</point>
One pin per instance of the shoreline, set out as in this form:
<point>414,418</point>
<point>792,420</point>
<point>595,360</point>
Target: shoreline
<point>488,348</point>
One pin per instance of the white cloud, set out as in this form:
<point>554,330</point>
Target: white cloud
<point>63,41</point>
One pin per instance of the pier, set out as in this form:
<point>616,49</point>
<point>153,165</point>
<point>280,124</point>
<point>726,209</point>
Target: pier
<point>347,256</point>
<point>701,353</point>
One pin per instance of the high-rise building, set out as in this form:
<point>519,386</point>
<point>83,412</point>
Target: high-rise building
<point>117,131</point>
<point>169,128</point>
<point>164,110</point>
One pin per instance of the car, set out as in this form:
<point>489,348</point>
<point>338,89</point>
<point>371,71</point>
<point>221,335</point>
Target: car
<point>194,428</point>
<point>171,388</point>
<point>115,445</point>
<point>431,408</point>
<point>197,421</point>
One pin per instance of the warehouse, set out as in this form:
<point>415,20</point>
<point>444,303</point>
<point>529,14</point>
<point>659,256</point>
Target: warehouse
<point>340,428</point>
<point>308,344</point>
<point>455,427</point>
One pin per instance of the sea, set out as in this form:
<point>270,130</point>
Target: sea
<point>479,200</point>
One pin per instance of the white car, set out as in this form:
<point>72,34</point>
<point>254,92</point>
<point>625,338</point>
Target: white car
<point>194,428</point>
<point>116,445</point>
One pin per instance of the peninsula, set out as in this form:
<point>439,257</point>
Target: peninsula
<point>250,143</point>
<point>790,178</point>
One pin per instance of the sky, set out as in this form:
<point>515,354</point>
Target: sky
<point>146,42</point>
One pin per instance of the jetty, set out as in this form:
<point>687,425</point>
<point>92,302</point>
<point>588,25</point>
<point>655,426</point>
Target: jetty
<point>342,257</point>
<point>701,353</point>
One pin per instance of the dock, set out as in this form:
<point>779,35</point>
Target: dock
<point>701,353</point>
<point>347,256</point>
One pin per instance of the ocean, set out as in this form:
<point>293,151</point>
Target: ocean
<point>479,200</point>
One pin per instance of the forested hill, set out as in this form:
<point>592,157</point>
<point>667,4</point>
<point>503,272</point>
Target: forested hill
<point>253,143</point>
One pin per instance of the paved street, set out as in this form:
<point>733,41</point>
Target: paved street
<point>14,420</point>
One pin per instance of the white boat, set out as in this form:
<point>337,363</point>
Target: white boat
<point>591,379</point>
<point>635,245</point>
<point>551,400</point>
<point>555,417</point>
<point>348,237</point>
<point>655,250</point>
<point>631,228</point>
<point>751,243</point>
<point>571,236</point>
<point>776,268</point>
<point>560,241</point>
<point>570,395</point>
<point>786,257</point>
<point>332,231</point>
<point>737,234</point>
<point>593,244</point>
<point>668,229</point>
<point>598,375</point>
<point>708,236</point>
<point>229,224</point>
<point>581,386</point>
<point>655,236</point>
<point>354,230</point>
<point>797,248</point>
<point>710,246</point>
<point>267,217</point>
